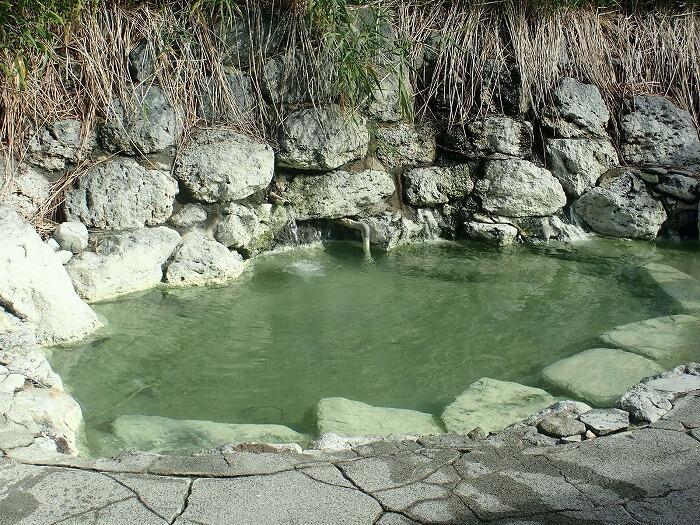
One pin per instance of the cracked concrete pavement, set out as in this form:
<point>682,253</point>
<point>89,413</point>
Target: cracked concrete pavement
<point>648,476</point>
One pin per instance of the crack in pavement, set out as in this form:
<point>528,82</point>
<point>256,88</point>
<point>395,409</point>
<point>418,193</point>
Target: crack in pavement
<point>185,503</point>
<point>136,494</point>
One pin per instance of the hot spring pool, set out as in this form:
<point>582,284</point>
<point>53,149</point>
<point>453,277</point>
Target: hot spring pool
<point>409,329</point>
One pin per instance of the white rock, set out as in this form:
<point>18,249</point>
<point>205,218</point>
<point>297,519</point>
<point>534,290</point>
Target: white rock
<point>149,127</point>
<point>28,190</point>
<point>493,405</point>
<point>246,228</point>
<point>189,216</point>
<point>160,434</point>
<point>224,166</point>
<point>71,236</point>
<point>491,232</point>
<point>199,260</point>
<point>437,185</point>
<point>658,133</point>
<point>580,111</point>
<point>645,404</point>
<point>345,417</point>
<point>59,143</point>
<point>621,207</point>
<point>578,163</point>
<point>389,230</point>
<point>51,243</point>
<point>599,375</point>
<point>64,256</point>
<point>322,138</point>
<point>405,145</point>
<point>121,194</point>
<point>123,263</point>
<point>518,188</point>
<point>36,286</point>
<point>338,194</point>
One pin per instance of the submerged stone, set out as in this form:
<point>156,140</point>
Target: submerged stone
<point>346,417</point>
<point>681,287</point>
<point>493,405</point>
<point>673,337</point>
<point>599,375</point>
<point>161,434</point>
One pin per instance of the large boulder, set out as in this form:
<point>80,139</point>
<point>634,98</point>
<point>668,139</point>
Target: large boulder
<point>670,339</point>
<point>405,145</point>
<point>163,435</point>
<point>346,417</point>
<point>121,194</point>
<point>147,124</point>
<point>389,230</point>
<point>580,111</point>
<point>59,143</point>
<point>518,188</point>
<point>658,133</point>
<point>123,262</point>
<point>322,138</point>
<point>27,191</point>
<point>600,375</point>
<point>493,405</point>
<point>338,194</point>
<point>493,137</point>
<point>35,287</point>
<point>437,185</point>
<point>621,206</point>
<point>199,260</point>
<point>246,229</point>
<point>224,166</point>
<point>490,231</point>
<point>579,163</point>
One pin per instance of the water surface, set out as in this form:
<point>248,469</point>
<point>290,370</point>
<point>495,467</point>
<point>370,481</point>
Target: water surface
<point>409,329</point>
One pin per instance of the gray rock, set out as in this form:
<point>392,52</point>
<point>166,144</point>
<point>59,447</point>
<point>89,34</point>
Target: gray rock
<point>599,375</point>
<point>491,232</point>
<point>493,405</point>
<point>199,260</point>
<point>283,82</point>
<point>386,104</point>
<point>645,404</point>
<point>142,62</point>
<point>121,194</point>
<point>580,111</point>
<point>438,222</point>
<point>681,287</point>
<point>436,185</point>
<point>224,166</point>
<point>606,421</point>
<point>658,133</point>
<point>561,426</point>
<point>680,186</point>
<point>338,194</point>
<point>59,143</point>
<point>160,434</point>
<point>578,163</point>
<point>544,229</point>
<point>518,188</point>
<point>345,417</point>
<point>568,407</point>
<point>246,228</point>
<point>189,216</point>
<point>237,102</point>
<point>71,236</point>
<point>406,145</point>
<point>27,191</point>
<point>673,338</point>
<point>35,285</point>
<point>493,137</point>
<point>322,138</point>
<point>389,230</point>
<point>621,207</point>
<point>148,124</point>
<point>123,263</point>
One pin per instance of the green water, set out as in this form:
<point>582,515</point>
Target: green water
<point>410,329</point>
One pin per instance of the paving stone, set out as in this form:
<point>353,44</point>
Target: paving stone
<point>278,499</point>
<point>604,422</point>
<point>599,375</point>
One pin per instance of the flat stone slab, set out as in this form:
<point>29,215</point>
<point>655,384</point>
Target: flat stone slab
<point>346,417</point>
<point>493,405</point>
<point>605,421</point>
<point>681,287</point>
<point>599,375</point>
<point>161,434</point>
<point>675,385</point>
<point>673,338</point>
